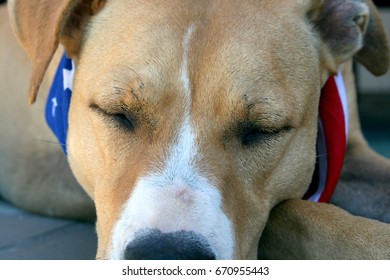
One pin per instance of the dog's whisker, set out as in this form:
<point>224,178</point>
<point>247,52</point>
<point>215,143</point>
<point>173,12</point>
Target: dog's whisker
<point>49,141</point>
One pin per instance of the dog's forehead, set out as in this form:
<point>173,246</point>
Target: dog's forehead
<point>231,50</point>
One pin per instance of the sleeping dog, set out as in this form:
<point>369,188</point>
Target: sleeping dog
<point>187,122</point>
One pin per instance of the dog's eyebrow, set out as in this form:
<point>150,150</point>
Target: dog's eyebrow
<point>267,111</point>
<point>122,81</point>
<point>251,102</point>
<point>134,87</point>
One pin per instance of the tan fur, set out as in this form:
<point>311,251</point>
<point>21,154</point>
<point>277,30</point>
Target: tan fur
<point>322,231</point>
<point>33,173</point>
<point>270,75</point>
<point>91,161</point>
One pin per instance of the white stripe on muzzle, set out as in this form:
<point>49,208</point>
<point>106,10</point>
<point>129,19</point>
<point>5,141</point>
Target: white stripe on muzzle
<point>178,197</point>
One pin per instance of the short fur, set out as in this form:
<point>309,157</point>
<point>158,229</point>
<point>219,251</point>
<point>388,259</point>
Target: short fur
<point>254,70</point>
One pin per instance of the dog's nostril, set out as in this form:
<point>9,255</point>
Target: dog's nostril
<point>180,245</point>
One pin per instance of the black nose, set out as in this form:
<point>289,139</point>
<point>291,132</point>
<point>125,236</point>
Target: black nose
<point>179,245</point>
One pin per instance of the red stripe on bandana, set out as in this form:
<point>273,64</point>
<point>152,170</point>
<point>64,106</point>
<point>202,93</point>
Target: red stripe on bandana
<point>333,122</point>
<point>331,142</point>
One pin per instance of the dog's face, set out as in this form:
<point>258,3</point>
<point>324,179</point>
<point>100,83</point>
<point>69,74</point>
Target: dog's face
<point>188,124</point>
<point>190,120</point>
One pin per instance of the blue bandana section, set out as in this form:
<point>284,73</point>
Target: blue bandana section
<point>58,101</point>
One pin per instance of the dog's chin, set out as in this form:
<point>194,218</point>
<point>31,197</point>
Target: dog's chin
<point>156,245</point>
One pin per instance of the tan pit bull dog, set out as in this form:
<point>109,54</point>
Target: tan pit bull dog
<point>190,121</point>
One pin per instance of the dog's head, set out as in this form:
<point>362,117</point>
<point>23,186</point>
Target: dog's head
<point>190,120</point>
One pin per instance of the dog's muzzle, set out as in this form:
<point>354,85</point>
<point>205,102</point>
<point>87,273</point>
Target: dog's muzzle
<point>179,245</point>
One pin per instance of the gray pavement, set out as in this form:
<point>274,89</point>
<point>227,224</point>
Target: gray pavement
<point>27,236</point>
<point>24,236</point>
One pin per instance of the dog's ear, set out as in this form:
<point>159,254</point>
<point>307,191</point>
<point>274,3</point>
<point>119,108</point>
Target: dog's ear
<point>40,26</point>
<point>350,28</point>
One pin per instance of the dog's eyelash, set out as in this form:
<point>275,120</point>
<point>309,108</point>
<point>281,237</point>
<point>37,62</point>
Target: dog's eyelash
<point>252,135</point>
<point>123,120</point>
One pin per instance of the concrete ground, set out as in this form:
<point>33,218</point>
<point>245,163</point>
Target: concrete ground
<point>24,236</point>
<point>27,236</point>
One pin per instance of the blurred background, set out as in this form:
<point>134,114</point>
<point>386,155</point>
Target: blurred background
<point>374,98</point>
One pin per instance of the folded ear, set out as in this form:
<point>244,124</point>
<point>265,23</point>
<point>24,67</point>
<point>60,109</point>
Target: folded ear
<point>350,28</point>
<point>375,54</point>
<point>40,25</point>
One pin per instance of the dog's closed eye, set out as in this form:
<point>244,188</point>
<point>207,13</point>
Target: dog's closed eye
<point>122,119</point>
<point>250,134</point>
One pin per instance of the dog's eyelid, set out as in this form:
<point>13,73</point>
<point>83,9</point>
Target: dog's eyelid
<point>267,123</point>
<point>121,115</point>
<point>94,107</point>
<point>251,133</point>
<point>264,130</point>
<point>277,129</point>
<point>101,110</point>
<point>109,110</point>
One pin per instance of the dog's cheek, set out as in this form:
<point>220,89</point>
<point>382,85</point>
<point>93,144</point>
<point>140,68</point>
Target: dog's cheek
<point>84,154</point>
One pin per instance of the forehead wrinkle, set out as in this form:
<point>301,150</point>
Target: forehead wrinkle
<point>126,80</point>
<point>266,110</point>
<point>252,100</point>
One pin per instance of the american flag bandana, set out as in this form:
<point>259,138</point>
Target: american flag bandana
<point>331,139</point>
<point>58,101</point>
